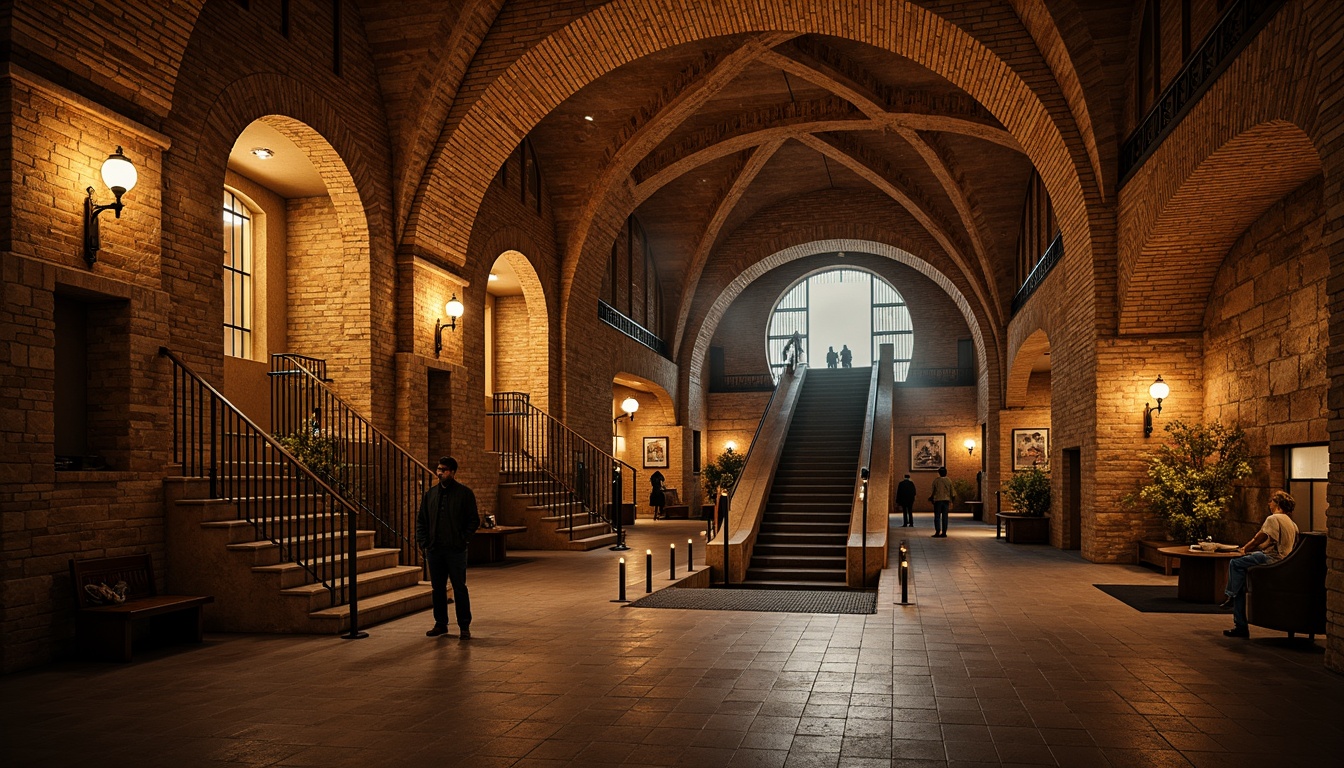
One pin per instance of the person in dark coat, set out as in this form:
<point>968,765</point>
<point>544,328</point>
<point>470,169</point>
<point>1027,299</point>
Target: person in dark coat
<point>905,499</point>
<point>657,499</point>
<point>831,357</point>
<point>443,526</point>
<point>846,357</point>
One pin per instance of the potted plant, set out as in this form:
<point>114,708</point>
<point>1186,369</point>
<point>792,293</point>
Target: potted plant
<point>962,492</point>
<point>1191,479</point>
<point>1029,493</point>
<point>728,463</point>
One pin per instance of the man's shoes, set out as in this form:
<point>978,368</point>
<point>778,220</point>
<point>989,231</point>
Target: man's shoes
<point>464,633</point>
<point>1237,632</point>
<point>1226,605</point>
<point>438,629</point>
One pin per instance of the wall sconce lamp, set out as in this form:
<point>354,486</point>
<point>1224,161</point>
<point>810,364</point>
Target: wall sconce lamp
<point>730,446</point>
<point>454,310</point>
<point>1159,390</point>
<point>629,405</point>
<point>119,175</point>
<point>969,445</point>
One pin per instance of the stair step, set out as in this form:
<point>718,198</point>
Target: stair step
<point>370,584</point>
<point>791,584</point>
<point>796,563</point>
<point>376,609</point>
<point>796,550</point>
<point>799,574</point>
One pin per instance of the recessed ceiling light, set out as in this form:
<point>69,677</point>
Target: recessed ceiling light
<point>493,277</point>
<point>589,118</point>
<point>263,153</point>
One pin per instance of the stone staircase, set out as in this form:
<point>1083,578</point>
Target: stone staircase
<point>212,552</point>
<point>801,544</point>
<point>531,498</point>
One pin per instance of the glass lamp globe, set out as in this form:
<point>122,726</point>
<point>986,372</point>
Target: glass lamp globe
<point>454,307</point>
<point>1159,389</point>
<point>629,405</point>
<point>119,173</point>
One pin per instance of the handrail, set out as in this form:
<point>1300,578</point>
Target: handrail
<point>369,468</point>
<point>616,319</point>
<point>752,445</point>
<point>554,461</point>
<point>861,491</point>
<point>285,501</point>
<point>1053,253</point>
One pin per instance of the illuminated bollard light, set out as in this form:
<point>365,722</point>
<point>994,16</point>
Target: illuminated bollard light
<point>672,560</point>
<point>621,580</point>
<point>648,571</point>
<point>690,555</point>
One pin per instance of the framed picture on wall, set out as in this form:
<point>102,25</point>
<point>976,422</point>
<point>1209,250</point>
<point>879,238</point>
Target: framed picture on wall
<point>927,452</point>
<point>1031,448</point>
<point>655,453</point>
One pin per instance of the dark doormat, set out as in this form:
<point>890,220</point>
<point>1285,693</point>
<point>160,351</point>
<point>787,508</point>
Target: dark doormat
<point>768,600</point>
<point>1155,598</point>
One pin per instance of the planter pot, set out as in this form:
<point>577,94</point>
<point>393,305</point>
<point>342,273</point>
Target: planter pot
<point>1021,529</point>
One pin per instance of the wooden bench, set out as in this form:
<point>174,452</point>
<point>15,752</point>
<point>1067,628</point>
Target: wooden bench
<point>490,545</point>
<point>109,631</point>
<point>1146,554</point>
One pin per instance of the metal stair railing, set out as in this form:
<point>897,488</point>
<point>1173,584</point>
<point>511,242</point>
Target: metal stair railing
<point>370,470</point>
<point>286,502</point>
<point>555,461</point>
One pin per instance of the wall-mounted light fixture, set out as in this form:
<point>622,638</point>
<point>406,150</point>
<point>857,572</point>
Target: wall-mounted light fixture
<point>628,407</point>
<point>119,175</point>
<point>730,446</point>
<point>454,310</point>
<point>969,445</point>
<point>1159,390</point>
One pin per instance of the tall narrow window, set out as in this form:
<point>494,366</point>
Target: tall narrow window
<point>1308,470</point>
<point>237,277</point>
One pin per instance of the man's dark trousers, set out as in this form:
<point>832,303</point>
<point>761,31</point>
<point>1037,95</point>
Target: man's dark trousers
<point>446,566</point>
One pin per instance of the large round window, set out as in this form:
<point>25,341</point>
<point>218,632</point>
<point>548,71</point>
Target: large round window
<point>838,308</point>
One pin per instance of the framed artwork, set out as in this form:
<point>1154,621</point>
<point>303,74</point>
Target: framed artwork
<point>655,453</point>
<point>1031,448</point>
<point>927,452</point>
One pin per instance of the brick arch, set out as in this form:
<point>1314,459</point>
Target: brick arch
<point>1018,379</point>
<point>1169,281</point>
<point>204,129</point>
<point>725,297</point>
<point>665,400</point>
<point>623,31</point>
<point>537,331</point>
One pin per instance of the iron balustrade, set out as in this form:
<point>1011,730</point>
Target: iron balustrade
<point>1052,256</point>
<point>370,470</point>
<point>613,317</point>
<point>555,463</point>
<point>953,376</point>
<point>1238,25</point>
<point>742,382</point>
<point>286,503</point>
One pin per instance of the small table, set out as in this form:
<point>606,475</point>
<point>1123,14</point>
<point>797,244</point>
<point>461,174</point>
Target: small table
<point>1203,576</point>
<point>489,545</point>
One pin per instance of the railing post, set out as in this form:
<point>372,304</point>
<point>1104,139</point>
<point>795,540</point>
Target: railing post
<point>352,577</point>
<point>617,496</point>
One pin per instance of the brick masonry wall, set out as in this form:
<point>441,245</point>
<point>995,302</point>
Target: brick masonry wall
<point>1264,344</point>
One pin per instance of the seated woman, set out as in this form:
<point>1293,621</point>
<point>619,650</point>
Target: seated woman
<point>657,499</point>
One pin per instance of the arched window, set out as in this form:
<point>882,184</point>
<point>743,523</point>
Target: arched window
<point>840,307</point>
<point>238,276</point>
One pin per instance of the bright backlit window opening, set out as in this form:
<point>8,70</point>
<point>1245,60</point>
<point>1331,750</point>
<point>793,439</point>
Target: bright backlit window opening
<point>237,277</point>
<point>837,308</point>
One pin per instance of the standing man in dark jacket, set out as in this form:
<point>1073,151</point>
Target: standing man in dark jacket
<point>905,499</point>
<point>444,525</point>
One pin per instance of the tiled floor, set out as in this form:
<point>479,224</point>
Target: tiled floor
<point>1007,656</point>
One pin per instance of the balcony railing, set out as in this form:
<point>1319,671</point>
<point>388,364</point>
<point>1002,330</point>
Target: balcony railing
<point>1237,27</point>
<point>1049,259</point>
<point>742,382</point>
<point>939,377</point>
<point>609,315</point>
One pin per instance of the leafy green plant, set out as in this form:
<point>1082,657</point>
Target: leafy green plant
<point>963,490</point>
<point>729,462</point>
<point>318,452</point>
<point>1192,477</point>
<point>1029,492</point>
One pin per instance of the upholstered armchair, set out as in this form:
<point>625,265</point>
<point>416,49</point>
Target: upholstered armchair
<point>1290,595</point>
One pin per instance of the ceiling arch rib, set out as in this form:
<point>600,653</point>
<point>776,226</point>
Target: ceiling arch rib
<point>906,196</point>
<point>750,170</point>
<point>653,131</point>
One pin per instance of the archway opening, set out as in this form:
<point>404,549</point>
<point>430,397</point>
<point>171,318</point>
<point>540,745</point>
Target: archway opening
<point>517,349</point>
